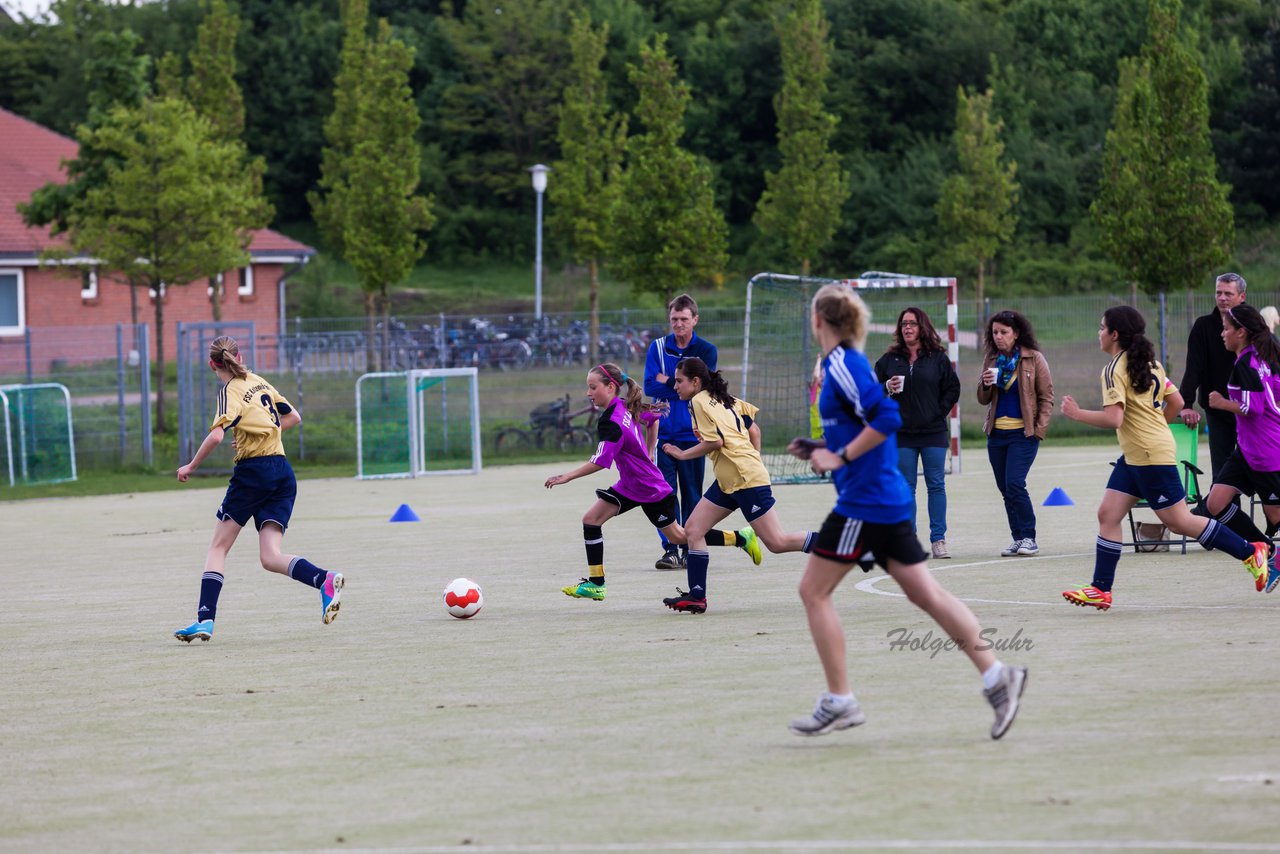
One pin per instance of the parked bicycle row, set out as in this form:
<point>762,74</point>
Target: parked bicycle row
<point>479,342</point>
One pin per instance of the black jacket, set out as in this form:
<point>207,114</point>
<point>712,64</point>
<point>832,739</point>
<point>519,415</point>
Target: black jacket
<point>930,391</point>
<point>1209,362</point>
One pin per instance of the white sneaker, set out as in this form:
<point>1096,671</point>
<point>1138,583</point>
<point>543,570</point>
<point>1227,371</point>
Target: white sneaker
<point>940,550</point>
<point>827,716</point>
<point>1027,548</point>
<point>1005,696</point>
<point>1012,549</point>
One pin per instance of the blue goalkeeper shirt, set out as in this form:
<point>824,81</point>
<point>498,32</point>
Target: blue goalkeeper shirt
<point>870,488</point>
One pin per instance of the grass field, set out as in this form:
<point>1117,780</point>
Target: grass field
<point>550,724</point>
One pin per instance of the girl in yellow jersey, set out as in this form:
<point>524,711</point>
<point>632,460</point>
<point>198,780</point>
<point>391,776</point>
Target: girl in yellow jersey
<point>262,487</point>
<point>1138,402</point>
<point>726,432</point>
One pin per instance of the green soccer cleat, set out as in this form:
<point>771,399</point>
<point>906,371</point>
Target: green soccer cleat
<point>585,589</point>
<point>750,543</point>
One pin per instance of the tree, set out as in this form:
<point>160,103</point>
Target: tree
<point>213,91</point>
<point>1164,215</point>
<point>371,206</point>
<point>340,127</point>
<point>668,233</point>
<point>802,200</point>
<point>975,207</point>
<point>175,205</point>
<point>592,143</point>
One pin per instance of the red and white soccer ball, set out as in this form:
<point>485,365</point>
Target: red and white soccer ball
<point>463,598</point>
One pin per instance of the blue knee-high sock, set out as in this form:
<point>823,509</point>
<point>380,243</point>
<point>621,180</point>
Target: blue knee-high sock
<point>1240,522</point>
<point>696,571</point>
<point>210,587</point>
<point>1104,564</point>
<point>301,569</point>
<point>1216,536</point>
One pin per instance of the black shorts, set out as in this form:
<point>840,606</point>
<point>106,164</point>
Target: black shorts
<point>262,489</point>
<point>1236,473</point>
<point>868,543</point>
<point>661,513</point>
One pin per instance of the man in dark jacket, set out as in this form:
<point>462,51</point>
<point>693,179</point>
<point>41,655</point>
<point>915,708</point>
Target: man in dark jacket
<point>676,427</point>
<point>1209,365</point>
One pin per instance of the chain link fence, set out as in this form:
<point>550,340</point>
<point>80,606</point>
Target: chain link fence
<point>525,365</point>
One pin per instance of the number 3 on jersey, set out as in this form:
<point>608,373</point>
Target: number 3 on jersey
<point>271,407</point>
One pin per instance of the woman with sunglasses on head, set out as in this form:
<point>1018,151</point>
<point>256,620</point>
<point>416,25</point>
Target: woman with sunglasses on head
<point>1017,390</point>
<point>917,372</point>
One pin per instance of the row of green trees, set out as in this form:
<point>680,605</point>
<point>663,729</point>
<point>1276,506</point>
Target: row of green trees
<point>924,135</point>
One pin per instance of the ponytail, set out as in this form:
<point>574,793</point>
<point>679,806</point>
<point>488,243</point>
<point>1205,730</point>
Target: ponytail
<point>712,382</point>
<point>224,353</point>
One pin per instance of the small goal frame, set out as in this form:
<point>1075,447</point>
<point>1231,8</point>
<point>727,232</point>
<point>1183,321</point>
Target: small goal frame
<point>415,403</point>
<point>872,280</point>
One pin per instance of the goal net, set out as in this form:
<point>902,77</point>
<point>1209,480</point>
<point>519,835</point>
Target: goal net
<point>417,423</point>
<point>779,354</point>
<point>39,445</point>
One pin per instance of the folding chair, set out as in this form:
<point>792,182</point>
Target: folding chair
<point>1150,538</point>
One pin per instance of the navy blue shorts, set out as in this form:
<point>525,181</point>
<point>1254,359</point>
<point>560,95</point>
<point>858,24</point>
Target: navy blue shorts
<point>754,501</point>
<point>1159,486</point>
<point>262,489</point>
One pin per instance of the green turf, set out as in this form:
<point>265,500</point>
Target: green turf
<point>553,724</point>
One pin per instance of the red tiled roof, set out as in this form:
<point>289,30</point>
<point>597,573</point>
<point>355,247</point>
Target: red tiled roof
<point>31,156</point>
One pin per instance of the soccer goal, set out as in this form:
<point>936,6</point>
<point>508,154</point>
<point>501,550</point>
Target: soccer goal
<point>779,355</point>
<point>39,444</point>
<point>417,423</point>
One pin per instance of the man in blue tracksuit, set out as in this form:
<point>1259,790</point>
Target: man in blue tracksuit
<point>676,427</point>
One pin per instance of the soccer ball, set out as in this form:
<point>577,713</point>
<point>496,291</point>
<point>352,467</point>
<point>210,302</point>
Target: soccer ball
<point>463,598</point>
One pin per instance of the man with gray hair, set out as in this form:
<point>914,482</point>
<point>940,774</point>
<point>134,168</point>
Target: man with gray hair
<point>1209,365</point>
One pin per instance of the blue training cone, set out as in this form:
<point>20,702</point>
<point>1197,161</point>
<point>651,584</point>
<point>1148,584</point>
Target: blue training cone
<point>404,513</point>
<point>1059,498</point>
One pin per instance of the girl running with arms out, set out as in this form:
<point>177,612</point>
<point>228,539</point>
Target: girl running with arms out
<point>628,429</point>
<point>1138,402</point>
<point>727,432</point>
<point>262,487</point>
<point>872,521</point>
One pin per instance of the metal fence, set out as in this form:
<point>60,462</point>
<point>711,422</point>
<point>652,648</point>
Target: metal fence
<point>524,365</point>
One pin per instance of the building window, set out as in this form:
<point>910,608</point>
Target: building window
<point>13,317</point>
<point>89,283</point>
<point>246,282</point>
<point>151,292</point>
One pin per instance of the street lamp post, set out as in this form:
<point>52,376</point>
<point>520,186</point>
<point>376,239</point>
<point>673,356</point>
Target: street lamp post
<point>539,173</point>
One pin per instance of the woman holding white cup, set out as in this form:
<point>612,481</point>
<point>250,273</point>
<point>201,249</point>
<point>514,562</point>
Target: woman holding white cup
<point>1017,390</point>
<point>917,372</point>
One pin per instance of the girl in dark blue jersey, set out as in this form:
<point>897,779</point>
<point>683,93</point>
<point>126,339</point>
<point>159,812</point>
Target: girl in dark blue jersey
<point>871,522</point>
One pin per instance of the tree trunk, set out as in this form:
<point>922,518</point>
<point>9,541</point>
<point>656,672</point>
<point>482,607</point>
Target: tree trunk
<point>215,297</point>
<point>133,302</point>
<point>594,265</point>
<point>370,338</point>
<point>982,281</point>
<point>161,427</point>
<point>1133,293</point>
<point>386,330</point>
<point>805,266</point>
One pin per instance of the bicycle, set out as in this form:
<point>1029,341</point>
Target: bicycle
<point>550,425</point>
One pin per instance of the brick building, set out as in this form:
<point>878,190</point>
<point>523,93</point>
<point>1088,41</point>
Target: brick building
<point>34,296</point>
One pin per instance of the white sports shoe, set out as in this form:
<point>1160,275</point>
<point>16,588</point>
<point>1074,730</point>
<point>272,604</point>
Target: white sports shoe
<point>827,716</point>
<point>1027,548</point>
<point>1012,549</point>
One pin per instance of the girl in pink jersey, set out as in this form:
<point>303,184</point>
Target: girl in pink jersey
<point>627,429</point>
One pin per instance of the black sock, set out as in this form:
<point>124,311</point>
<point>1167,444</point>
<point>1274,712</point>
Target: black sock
<point>301,569</point>
<point>593,539</point>
<point>210,587</point>
<point>1238,520</point>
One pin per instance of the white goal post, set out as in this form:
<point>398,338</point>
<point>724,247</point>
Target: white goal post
<point>779,353</point>
<point>418,423</point>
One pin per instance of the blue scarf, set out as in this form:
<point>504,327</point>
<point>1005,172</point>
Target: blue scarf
<point>1006,365</point>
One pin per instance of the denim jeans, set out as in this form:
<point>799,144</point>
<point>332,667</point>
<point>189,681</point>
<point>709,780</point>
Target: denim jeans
<point>1011,454</point>
<point>685,477</point>
<point>934,461</point>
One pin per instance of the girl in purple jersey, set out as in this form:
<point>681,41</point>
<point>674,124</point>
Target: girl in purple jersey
<point>1253,394</point>
<point>628,428</point>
